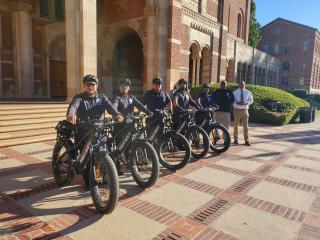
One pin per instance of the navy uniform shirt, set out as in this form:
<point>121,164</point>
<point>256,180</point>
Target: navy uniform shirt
<point>90,107</point>
<point>126,103</point>
<point>205,100</point>
<point>224,98</point>
<point>155,100</point>
<point>184,100</point>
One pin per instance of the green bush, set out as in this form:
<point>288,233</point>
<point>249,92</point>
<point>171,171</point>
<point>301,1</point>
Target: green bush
<point>301,93</point>
<point>265,98</point>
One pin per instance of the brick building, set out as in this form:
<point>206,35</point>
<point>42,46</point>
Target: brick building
<point>298,48</point>
<point>46,46</point>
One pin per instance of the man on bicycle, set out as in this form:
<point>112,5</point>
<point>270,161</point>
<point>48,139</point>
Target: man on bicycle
<point>182,100</point>
<point>89,105</point>
<point>125,104</point>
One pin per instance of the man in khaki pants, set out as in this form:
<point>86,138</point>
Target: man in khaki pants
<point>242,100</point>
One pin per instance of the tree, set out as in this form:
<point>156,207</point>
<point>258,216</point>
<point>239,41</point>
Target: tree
<point>254,28</point>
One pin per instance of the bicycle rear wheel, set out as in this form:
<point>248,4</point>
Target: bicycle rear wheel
<point>62,170</point>
<point>219,138</point>
<point>199,141</point>
<point>144,164</point>
<point>104,183</point>
<point>174,151</point>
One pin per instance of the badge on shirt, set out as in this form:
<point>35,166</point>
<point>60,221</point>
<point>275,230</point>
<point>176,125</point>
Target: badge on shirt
<point>99,102</point>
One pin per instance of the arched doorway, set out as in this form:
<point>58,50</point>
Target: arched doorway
<point>57,68</point>
<point>194,65</point>
<point>205,66</point>
<point>128,62</point>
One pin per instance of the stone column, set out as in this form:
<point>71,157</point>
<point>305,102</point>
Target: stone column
<point>23,48</point>
<point>198,71</point>
<point>81,43</point>
<point>194,79</point>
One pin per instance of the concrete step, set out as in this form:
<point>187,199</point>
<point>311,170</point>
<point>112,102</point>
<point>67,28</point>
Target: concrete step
<point>5,107</point>
<point>30,121</point>
<point>26,140</point>
<point>35,116</point>
<point>25,127</point>
<point>27,133</point>
<point>32,111</point>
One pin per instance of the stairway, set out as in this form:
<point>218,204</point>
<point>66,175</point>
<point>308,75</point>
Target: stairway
<point>23,123</point>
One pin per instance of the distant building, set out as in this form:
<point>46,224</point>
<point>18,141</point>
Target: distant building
<point>298,48</point>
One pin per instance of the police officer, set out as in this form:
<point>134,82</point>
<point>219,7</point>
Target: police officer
<point>205,101</point>
<point>156,99</point>
<point>125,103</point>
<point>181,101</point>
<point>89,105</point>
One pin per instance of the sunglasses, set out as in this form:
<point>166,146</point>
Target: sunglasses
<point>124,86</point>
<point>88,84</point>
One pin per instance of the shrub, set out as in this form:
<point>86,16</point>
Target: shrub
<point>301,93</point>
<point>265,98</point>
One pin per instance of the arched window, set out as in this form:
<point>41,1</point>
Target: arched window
<point>239,32</point>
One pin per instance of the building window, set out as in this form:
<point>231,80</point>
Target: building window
<point>284,81</point>
<point>59,9</point>
<point>303,67</point>
<point>276,48</point>
<point>286,66</point>
<point>52,9</point>
<point>44,8</point>
<point>305,45</point>
<point>286,48</point>
<point>265,48</point>
<point>239,26</point>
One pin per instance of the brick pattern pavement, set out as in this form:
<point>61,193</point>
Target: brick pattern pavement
<point>229,189</point>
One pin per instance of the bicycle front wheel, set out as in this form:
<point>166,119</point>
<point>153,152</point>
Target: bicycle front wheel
<point>104,183</point>
<point>174,151</point>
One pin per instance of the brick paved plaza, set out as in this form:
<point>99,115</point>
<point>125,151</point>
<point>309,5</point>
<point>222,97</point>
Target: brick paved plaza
<point>269,191</point>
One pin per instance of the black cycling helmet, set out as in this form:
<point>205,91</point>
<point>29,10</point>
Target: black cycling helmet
<point>206,85</point>
<point>182,81</point>
<point>125,82</point>
<point>157,80</point>
<point>90,78</point>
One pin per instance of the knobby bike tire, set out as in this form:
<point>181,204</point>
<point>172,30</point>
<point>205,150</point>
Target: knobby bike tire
<point>142,147</point>
<point>180,142</point>
<point>195,130</point>
<point>226,137</point>
<point>103,164</point>
<point>65,177</point>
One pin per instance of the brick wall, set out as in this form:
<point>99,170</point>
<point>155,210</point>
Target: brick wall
<point>117,11</point>
<point>285,39</point>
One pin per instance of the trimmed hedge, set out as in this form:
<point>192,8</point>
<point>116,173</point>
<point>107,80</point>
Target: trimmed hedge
<point>271,105</point>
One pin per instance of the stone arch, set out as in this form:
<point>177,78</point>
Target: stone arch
<point>194,64</point>
<point>249,74</point>
<point>230,70</point>
<point>239,71</point>
<point>128,62</point>
<point>57,68</point>
<point>107,44</point>
<point>205,65</point>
